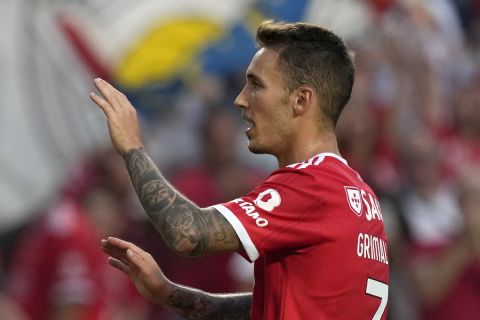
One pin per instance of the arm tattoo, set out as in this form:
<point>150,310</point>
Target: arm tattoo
<point>195,304</point>
<point>185,227</point>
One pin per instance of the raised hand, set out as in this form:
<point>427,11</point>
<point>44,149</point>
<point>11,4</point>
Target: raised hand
<point>121,117</point>
<point>140,267</point>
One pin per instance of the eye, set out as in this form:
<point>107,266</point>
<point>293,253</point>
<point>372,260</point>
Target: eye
<point>256,85</point>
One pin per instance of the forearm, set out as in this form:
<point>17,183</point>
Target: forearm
<point>196,304</point>
<point>186,228</point>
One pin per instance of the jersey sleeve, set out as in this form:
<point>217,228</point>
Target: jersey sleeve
<point>284,212</point>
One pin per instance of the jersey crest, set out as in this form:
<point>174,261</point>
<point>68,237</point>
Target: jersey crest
<point>353,199</point>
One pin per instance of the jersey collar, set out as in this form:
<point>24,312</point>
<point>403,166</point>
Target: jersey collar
<point>317,159</point>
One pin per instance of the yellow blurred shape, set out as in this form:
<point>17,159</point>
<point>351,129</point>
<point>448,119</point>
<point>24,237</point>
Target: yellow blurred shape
<point>167,49</point>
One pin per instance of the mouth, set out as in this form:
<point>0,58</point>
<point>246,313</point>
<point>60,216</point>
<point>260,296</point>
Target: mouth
<point>249,122</point>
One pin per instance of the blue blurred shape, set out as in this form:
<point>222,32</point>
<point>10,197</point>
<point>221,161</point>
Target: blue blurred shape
<point>231,54</point>
<point>287,10</point>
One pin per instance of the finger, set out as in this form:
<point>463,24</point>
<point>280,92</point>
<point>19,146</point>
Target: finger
<point>118,94</point>
<point>140,260</point>
<point>122,244</point>
<point>116,253</point>
<point>120,266</point>
<point>119,249</point>
<point>113,250</point>
<point>120,97</point>
<point>107,91</point>
<point>134,255</point>
<point>115,97</point>
<point>102,103</point>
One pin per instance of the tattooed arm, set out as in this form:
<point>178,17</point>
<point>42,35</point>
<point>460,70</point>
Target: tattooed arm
<point>150,281</point>
<point>195,304</point>
<point>186,228</point>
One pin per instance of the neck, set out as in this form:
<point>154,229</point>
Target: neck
<point>304,149</point>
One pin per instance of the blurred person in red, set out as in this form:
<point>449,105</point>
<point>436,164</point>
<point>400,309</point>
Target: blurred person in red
<point>429,211</point>
<point>58,271</point>
<point>460,145</point>
<point>447,276</point>
<point>428,202</point>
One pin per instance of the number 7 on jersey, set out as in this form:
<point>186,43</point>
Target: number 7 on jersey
<point>380,290</point>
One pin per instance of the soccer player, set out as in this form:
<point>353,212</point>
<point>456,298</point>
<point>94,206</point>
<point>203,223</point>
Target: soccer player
<point>314,228</point>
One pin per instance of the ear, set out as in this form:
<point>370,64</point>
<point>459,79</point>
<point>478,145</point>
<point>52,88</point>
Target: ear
<point>304,99</point>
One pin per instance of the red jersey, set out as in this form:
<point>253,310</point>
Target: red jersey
<point>315,231</point>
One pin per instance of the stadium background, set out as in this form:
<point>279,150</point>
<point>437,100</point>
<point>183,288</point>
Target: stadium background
<point>416,102</point>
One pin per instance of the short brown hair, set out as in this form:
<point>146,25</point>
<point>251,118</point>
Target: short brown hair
<point>315,56</point>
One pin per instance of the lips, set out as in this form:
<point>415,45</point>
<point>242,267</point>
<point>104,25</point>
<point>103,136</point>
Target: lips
<point>248,121</point>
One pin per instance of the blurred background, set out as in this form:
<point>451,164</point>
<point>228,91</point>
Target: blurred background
<point>412,130</point>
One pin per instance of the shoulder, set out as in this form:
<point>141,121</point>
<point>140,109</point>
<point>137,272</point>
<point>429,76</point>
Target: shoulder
<point>305,184</point>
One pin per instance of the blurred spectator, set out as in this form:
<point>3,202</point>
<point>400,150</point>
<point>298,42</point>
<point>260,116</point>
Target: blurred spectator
<point>364,131</point>
<point>447,275</point>
<point>423,216</point>
<point>218,174</point>
<point>178,118</point>
<point>58,271</point>
<point>429,205</point>
<point>461,144</point>
<point>421,53</point>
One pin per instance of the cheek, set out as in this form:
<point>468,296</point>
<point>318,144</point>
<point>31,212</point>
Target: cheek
<point>270,112</point>
<point>280,116</point>
<point>253,93</point>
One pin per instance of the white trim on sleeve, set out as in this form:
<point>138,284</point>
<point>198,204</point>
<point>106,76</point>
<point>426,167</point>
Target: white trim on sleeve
<point>242,233</point>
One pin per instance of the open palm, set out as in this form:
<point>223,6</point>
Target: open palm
<point>139,266</point>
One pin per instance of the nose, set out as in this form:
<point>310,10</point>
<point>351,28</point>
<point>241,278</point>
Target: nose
<point>241,101</point>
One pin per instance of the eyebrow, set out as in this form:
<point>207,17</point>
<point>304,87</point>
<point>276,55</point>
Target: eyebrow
<point>253,77</point>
